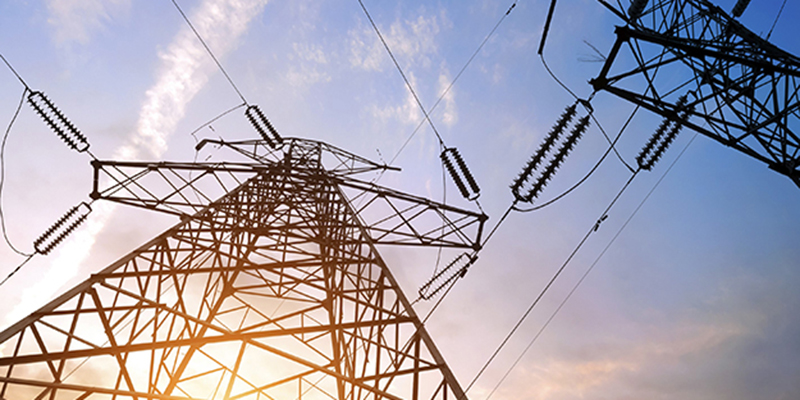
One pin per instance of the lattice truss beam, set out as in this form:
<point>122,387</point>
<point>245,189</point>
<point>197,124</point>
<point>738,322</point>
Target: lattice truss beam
<point>274,291</point>
<point>743,90</point>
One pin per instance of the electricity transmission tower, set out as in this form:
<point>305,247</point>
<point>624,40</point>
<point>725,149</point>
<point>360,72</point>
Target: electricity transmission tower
<point>742,90</point>
<point>270,287</point>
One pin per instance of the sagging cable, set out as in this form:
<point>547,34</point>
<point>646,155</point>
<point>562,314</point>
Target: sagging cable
<point>461,175</point>
<point>62,228</point>
<point>663,138</point>
<point>456,269</point>
<point>58,122</point>
<point>263,126</point>
<point>541,154</point>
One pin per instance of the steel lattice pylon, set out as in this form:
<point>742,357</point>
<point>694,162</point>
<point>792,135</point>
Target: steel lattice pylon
<point>744,92</point>
<point>273,291</point>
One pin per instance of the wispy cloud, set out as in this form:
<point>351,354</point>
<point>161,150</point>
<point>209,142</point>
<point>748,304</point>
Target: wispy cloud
<point>184,69</point>
<point>75,20</point>
<point>412,41</point>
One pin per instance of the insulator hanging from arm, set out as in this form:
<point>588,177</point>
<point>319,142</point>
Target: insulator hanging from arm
<point>544,148</point>
<point>263,126</point>
<point>58,122</point>
<point>636,8</point>
<point>62,228</point>
<point>668,139</point>
<point>456,269</point>
<point>452,159</point>
<point>739,8</point>
<point>662,138</point>
<point>569,143</point>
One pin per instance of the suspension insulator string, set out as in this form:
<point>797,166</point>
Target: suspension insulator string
<point>662,137</point>
<point>58,122</point>
<point>62,228</point>
<point>541,154</point>
<point>455,270</point>
<point>263,126</point>
<point>459,172</point>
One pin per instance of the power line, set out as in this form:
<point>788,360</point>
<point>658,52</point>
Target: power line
<point>3,176</point>
<point>399,69</point>
<point>585,274</point>
<point>776,19</point>
<point>185,18</point>
<point>594,227</point>
<point>8,64</point>
<point>453,82</point>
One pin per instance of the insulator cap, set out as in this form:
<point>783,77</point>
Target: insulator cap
<point>58,122</point>
<point>662,138</point>
<point>66,224</point>
<point>263,126</point>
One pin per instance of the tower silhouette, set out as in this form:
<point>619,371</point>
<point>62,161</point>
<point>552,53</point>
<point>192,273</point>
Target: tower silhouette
<point>273,290</point>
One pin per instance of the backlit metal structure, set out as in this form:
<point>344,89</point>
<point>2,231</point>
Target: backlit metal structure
<point>270,287</point>
<point>743,90</point>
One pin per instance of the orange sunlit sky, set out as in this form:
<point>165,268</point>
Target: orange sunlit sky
<point>696,299</point>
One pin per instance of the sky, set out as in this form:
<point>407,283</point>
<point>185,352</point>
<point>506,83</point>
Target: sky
<point>696,298</point>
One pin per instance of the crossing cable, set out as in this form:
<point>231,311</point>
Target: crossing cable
<point>776,20</point>
<point>399,69</point>
<point>585,274</point>
<point>453,82</point>
<point>649,155</point>
<point>568,90</point>
<point>208,49</point>
<point>593,229</point>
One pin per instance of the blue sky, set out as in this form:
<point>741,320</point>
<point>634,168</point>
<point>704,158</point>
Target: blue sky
<point>696,298</point>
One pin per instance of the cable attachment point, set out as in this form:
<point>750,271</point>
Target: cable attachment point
<point>65,225</point>
<point>452,159</point>
<point>664,135</point>
<point>58,122</point>
<point>456,269</point>
<point>263,126</point>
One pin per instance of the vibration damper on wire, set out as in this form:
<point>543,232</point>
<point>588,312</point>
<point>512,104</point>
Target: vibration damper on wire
<point>62,228</point>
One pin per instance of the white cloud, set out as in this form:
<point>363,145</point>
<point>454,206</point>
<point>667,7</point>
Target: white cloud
<point>411,41</point>
<point>306,71</point>
<point>407,113</point>
<point>74,20</point>
<point>450,115</point>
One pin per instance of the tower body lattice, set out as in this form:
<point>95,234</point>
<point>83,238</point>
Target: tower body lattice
<point>274,291</point>
<point>743,91</point>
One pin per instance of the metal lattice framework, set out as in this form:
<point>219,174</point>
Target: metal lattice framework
<point>274,291</point>
<point>743,89</point>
